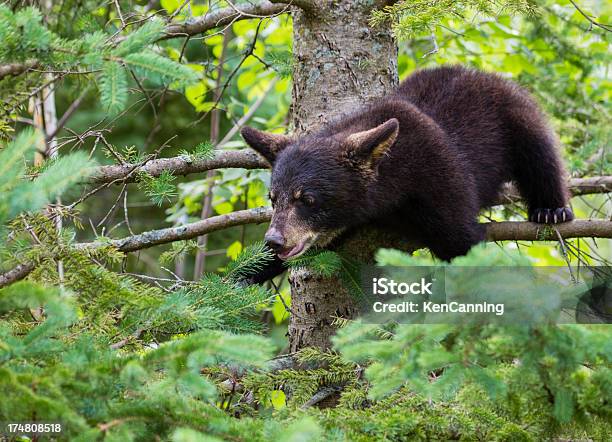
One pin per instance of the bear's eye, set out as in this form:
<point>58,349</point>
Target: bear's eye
<point>308,200</point>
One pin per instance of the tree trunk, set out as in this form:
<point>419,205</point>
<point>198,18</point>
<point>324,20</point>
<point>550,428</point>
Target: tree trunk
<point>340,63</point>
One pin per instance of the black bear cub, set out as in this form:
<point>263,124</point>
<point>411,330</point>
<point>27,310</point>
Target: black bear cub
<point>424,160</point>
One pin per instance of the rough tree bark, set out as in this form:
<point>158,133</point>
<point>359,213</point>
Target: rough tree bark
<point>340,63</point>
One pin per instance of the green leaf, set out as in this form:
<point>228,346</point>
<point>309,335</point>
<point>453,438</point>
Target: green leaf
<point>278,399</point>
<point>234,250</point>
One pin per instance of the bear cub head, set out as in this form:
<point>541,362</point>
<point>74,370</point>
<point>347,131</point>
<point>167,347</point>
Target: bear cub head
<point>319,182</point>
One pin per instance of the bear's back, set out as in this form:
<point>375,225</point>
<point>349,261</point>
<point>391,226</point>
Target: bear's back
<point>474,109</point>
<point>460,99</point>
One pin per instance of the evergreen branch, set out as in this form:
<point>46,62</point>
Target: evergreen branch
<point>253,258</point>
<point>11,158</point>
<point>113,87</point>
<point>159,69</point>
<point>496,231</point>
<point>141,38</point>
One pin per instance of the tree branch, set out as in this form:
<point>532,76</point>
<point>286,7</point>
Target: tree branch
<point>577,187</point>
<point>17,68</point>
<point>224,17</point>
<point>311,7</point>
<point>185,232</point>
<point>246,159</point>
<point>16,274</point>
<point>181,165</point>
<point>528,231</point>
<point>496,231</point>
<point>591,21</point>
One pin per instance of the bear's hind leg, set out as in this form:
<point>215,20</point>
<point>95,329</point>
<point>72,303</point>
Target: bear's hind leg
<point>537,167</point>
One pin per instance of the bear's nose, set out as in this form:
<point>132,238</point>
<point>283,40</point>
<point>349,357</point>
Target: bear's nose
<point>274,240</point>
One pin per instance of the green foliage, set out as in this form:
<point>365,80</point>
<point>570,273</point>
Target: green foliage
<point>138,40</point>
<point>23,34</point>
<point>160,188</point>
<point>506,362</point>
<point>321,262</point>
<point>27,38</point>
<point>159,69</point>
<point>71,364</point>
<point>252,259</point>
<point>19,194</point>
<point>410,18</point>
<point>323,369</point>
<point>203,151</point>
<point>113,87</point>
<point>125,356</point>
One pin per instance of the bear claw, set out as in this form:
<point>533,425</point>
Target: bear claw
<point>551,216</point>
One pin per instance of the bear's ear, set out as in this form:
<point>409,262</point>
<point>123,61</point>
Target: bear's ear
<point>367,147</point>
<point>266,144</point>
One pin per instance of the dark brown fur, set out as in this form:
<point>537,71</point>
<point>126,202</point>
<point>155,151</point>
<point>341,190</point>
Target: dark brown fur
<point>461,134</point>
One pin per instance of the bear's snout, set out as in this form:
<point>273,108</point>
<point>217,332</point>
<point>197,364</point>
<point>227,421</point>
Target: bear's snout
<point>275,240</point>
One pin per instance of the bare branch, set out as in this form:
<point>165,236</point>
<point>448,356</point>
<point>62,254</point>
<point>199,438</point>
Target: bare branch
<point>496,231</point>
<point>311,7</point>
<point>591,21</point>
<point>587,186</point>
<point>224,17</point>
<point>17,68</point>
<point>187,231</point>
<point>16,274</point>
<point>181,165</point>
<point>577,187</point>
<point>246,159</point>
<point>527,231</point>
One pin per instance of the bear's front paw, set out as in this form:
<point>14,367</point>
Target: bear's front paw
<point>551,216</point>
